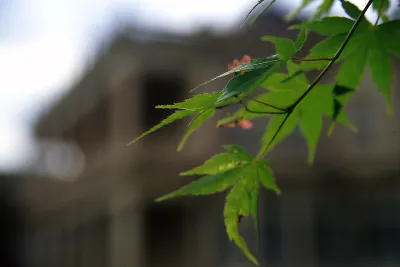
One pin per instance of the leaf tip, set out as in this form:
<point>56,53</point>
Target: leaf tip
<point>132,142</point>
<point>278,191</point>
<point>159,199</point>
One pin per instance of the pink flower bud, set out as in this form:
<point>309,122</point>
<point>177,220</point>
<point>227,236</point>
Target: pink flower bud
<point>244,124</point>
<point>246,58</point>
<point>236,63</point>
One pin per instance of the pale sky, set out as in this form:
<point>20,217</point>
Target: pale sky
<point>46,44</point>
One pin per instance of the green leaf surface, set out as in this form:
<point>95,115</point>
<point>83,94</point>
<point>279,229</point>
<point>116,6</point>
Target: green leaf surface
<point>245,180</point>
<point>222,162</point>
<point>324,49</point>
<point>354,12</point>
<point>196,123</point>
<point>267,177</point>
<point>310,126</point>
<point>331,25</point>
<point>308,114</point>
<point>239,152</point>
<point>380,67</point>
<point>352,69</point>
<point>237,115</point>
<point>247,82</point>
<point>301,37</point>
<point>254,64</point>
<point>243,201</point>
<point>210,184</point>
<point>381,5</point>
<point>390,33</point>
<point>341,94</point>
<point>175,116</point>
<point>198,102</point>
<point>238,203</point>
<point>284,47</point>
<point>254,206</point>
<point>273,126</point>
<point>370,45</point>
<point>295,73</point>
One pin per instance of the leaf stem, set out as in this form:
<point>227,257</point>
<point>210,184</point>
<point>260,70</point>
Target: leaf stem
<point>316,81</point>
<point>254,7</point>
<point>262,112</point>
<point>312,59</point>
<point>379,12</point>
<point>262,153</point>
<point>265,104</point>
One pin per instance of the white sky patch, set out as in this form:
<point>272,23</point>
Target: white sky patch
<point>35,73</point>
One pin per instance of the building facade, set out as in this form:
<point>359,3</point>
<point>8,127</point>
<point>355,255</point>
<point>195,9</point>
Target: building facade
<point>342,211</point>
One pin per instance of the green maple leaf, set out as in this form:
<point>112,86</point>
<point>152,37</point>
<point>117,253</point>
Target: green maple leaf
<point>195,124</point>
<point>253,65</point>
<point>307,115</point>
<point>174,117</point>
<point>221,171</point>
<point>234,156</point>
<point>371,46</point>
<point>197,103</point>
<point>286,48</point>
<point>237,169</point>
<point>243,201</point>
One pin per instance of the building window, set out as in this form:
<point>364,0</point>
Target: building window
<point>160,89</point>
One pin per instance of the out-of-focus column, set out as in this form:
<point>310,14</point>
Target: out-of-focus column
<point>298,229</point>
<point>126,228</point>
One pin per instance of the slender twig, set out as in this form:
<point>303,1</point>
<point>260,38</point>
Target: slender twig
<point>261,154</point>
<point>225,106</point>
<point>316,81</point>
<point>379,12</point>
<point>312,59</point>
<point>262,112</point>
<point>265,104</point>
<point>251,11</point>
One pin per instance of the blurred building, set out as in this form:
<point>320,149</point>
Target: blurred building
<point>342,211</point>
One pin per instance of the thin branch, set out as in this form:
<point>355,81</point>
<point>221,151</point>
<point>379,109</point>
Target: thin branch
<point>225,106</point>
<point>265,104</point>
<point>312,59</point>
<point>379,12</point>
<point>262,112</point>
<point>251,11</point>
<point>261,154</point>
<point>320,76</point>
